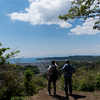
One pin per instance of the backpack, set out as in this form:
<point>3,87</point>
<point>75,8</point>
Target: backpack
<point>66,68</point>
<point>54,73</point>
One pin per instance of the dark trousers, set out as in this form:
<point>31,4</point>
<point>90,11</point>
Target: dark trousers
<point>49,85</point>
<point>68,81</point>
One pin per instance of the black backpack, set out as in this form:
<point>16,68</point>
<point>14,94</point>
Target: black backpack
<point>54,73</point>
<point>66,68</point>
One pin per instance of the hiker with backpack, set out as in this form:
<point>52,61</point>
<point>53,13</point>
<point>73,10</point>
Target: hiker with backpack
<point>52,77</point>
<point>68,70</point>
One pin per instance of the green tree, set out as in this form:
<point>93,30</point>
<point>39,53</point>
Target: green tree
<point>3,58</point>
<point>84,9</point>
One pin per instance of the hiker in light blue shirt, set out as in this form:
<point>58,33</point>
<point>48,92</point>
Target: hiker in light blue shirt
<point>68,70</point>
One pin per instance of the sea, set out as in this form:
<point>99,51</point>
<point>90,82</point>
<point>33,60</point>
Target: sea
<point>24,60</point>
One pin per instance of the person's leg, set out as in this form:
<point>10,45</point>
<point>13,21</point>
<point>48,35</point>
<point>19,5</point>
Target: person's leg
<point>49,85</point>
<point>54,87</point>
<point>66,85</point>
<point>70,85</point>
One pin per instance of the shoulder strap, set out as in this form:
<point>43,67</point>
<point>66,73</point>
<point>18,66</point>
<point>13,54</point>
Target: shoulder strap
<point>53,66</point>
<point>67,67</point>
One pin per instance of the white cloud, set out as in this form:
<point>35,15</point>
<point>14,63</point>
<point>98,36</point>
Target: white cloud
<point>69,33</point>
<point>86,28</point>
<point>44,12</point>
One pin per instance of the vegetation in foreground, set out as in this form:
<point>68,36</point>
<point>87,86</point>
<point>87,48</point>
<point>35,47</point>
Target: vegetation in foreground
<point>16,86</point>
<point>17,82</point>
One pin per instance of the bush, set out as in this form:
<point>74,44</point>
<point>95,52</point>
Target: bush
<point>3,94</point>
<point>75,82</point>
<point>87,82</point>
<point>98,81</point>
<point>61,81</point>
<point>39,82</point>
<point>28,83</point>
<point>17,98</point>
<point>11,86</point>
<point>86,87</point>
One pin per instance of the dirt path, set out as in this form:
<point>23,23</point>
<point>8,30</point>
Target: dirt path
<point>42,95</point>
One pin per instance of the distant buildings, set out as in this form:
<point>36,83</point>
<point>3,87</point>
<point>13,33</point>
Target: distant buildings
<point>41,65</point>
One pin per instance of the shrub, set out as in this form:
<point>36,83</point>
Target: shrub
<point>11,86</point>
<point>17,98</point>
<point>39,82</point>
<point>75,82</point>
<point>98,81</point>
<point>28,83</point>
<point>3,93</point>
<point>61,82</point>
<point>87,83</point>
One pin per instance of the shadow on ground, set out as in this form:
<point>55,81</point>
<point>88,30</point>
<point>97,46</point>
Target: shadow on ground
<point>65,98</point>
<point>60,97</point>
<point>77,96</point>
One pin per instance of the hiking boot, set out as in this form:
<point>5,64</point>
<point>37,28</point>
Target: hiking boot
<point>54,94</point>
<point>48,93</point>
<point>67,97</point>
<point>65,92</point>
<point>71,94</point>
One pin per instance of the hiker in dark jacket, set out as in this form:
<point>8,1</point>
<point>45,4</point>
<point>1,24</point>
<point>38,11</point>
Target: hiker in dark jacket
<point>68,70</point>
<point>53,79</point>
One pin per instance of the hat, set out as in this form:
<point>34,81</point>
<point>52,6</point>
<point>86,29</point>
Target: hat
<point>67,60</point>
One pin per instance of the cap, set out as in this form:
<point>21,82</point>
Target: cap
<point>67,60</point>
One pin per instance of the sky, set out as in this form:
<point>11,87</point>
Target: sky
<point>33,27</point>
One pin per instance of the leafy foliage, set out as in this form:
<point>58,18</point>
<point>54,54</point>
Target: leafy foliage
<point>39,82</point>
<point>98,81</point>
<point>34,69</point>
<point>3,59</point>
<point>84,9</point>
<point>29,86</point>
<point>11,85</point>
<point>14,84</point>
<point>17,98</point>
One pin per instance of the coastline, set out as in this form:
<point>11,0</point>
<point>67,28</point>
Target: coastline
<point>24,60</point>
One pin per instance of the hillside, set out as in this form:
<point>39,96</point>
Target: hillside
<point>75,58</point>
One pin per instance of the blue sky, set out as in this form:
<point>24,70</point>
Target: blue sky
<point>33,27</point>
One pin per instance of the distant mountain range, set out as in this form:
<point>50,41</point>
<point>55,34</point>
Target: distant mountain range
<point>73,58</point>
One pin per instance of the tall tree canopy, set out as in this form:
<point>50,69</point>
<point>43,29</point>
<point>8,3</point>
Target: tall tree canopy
<point>84,9</point>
